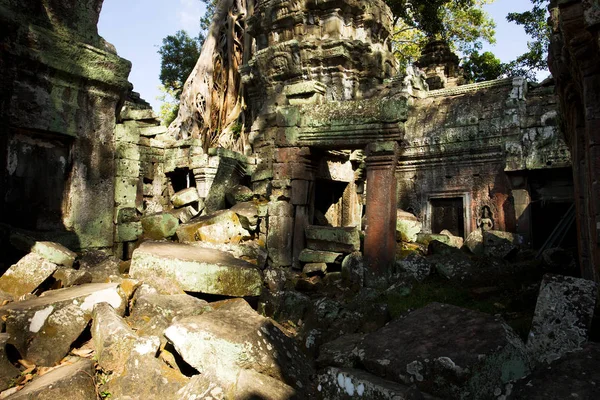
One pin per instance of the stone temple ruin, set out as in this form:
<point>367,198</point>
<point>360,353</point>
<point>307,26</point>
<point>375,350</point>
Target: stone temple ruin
<point>359,182</point>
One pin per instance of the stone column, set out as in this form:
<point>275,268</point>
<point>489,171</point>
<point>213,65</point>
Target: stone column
<point>380,236</point>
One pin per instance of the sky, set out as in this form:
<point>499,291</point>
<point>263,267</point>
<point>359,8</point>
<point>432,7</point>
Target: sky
<point>137,27</point>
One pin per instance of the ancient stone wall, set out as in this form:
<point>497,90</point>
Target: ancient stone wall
<point>475,144</point>
<point>62,86</point>
<point>574,59</point>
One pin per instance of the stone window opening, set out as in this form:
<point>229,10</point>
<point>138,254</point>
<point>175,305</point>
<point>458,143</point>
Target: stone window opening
<point>180,179</point>
<point>448,211</point>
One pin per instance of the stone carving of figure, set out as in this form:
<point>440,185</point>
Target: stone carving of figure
<point>485,221</point>
<point>415,79</point>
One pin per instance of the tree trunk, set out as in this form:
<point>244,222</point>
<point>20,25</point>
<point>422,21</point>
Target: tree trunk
<point>212,105</point>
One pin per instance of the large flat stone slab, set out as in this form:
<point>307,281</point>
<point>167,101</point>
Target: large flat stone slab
<point>26,275</point>
<point>234,337</point>
<point>563,316</point>
<point>42,329</point>
<point>71,381</point>
<point>447,351</point>
<point>326,238</point>
<point>195,269</point>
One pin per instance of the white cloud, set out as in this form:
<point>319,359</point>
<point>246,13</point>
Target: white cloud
<point>188,14</point>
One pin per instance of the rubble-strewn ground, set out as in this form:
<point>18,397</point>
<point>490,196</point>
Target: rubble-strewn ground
<point>173,323</point>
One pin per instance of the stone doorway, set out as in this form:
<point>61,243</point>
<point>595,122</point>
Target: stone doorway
<point>448,214</point>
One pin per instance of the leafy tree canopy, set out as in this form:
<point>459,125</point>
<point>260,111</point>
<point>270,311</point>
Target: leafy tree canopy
<point>536,26</point>
<point>482,67</point>
<point>465,29</point>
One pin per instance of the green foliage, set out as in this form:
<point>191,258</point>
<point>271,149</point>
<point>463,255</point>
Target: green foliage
<point>536,26</point>
<point>169,107</point>
<point>465,29</point>
<point>482,67</point>
<point>179,54</point>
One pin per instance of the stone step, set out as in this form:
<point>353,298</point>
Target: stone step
<point>195,269</point>
<point>326,238</point>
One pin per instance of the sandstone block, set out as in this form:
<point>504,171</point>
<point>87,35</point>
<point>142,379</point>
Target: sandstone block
<point>26,275</point>
<point>415,265</point>
<point>159,226</point>
<point>234,337</point>
<point>185,214</point>
<point>341,352</point>
<point>113,338</point>
<point>220,227</point>
<point>455,241</point>
<point>70,381</point>
<point>563,316</point>
<point>67,277</point>
<point>55,253</point>
<point>501,244</point>
<point>247,212</point>
<point>407,227</point>
<point>185,197</point>
<point>314,268</point>
<point>195,269</point>
<point>475,242</point>
<point>129,231</point>
<point>324,238</point>
<point>238,194</point>
<point>447,351</point>
<point>42,329</point>
<point>314,256</point>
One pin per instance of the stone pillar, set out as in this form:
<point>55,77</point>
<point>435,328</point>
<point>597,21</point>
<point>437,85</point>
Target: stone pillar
<point>380,236</point>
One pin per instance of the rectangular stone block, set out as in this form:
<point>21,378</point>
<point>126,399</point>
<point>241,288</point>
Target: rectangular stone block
<point>128,168</point>
<point>324,238</point>
<point>279,240</point>
<point>127,133</point>
<point>301,192</point>
<point>128,231</point>
<point>153,130</point>
<point>128,151</point>
<point>126,191</point>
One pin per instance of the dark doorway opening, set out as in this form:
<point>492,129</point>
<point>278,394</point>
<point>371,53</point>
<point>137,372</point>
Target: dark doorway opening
<point>181,178</point>
<point>545,216</point>
<point>329,202</point>
<point>448,214</point>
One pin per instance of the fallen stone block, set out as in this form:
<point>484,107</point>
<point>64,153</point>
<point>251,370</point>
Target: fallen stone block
<point>220,227</point>
<point>426,238</point>
<point>325,238</point>
<point>26,275</point>
<point>196,269</point>
<point>345,383</point>
<point>455,241</point>
<point>415,266</point>
<point>314,256</point>
<point>247,212</point>
<point>145,377</point>
<point>71,381</point>
<point>474,242</point>
<point>575,376</point>
<point>341,352</point>
<point>314,269</point>
<point>447,351</point>
<point>185,197</point>
<point>353,270</point>
<point>185,214</point>
<point>238,194</point>
<point>501,244</point>
<point>234,337</point>
<point>562,319</point>
<point>100,265</point>
<point>67,277</point>
<point>452,263</point>
<point>42,329</point>
<point>159,226</point>
<point>407,227</point>
<point>8,371</point>
<point>113,339</point>
<point>55,253</point>
<point>151,314</point>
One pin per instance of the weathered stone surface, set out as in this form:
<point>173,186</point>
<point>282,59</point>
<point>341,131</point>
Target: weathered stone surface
<point>234,337</point>
<point>220,227</point>
<point>185,197</point>
<point>475,242</point>
<point>562,319</point>
<point>247,212</point>
<point>113,338</point>
<point>455,241</point>
<point>323,238</point>
<point>7,370</point>
<point>407,227</point>
<point>501,244</point>
<point>185,214</point>
<point>353,270</point>
<point>426,238</point>
<point>251,384</point>
<point>146,377</point>
<point>345,384</point>
<point>66,277</point>
<point>160,226</point>
<point>452,263</point>
<point>314,268</point>
<point>314,256</point>
<point>151,314</point>
<point>100,265</point>
<point>415,265</point>
<point>238,194</point>
<point>195,269</point>
<point>341,352</point>
<point>42,329</point>
<point>26,275</point>
<point>447,351</point>
<point>55,253</point>
<point>575,376</point>
<point>70,381</point>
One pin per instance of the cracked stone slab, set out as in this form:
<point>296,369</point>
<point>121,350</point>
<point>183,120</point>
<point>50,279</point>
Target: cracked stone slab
<point>447,351</point>
<point>195,269</point>
<point>26,275</point>
<point>42,329</point>
<point>562,318</point>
